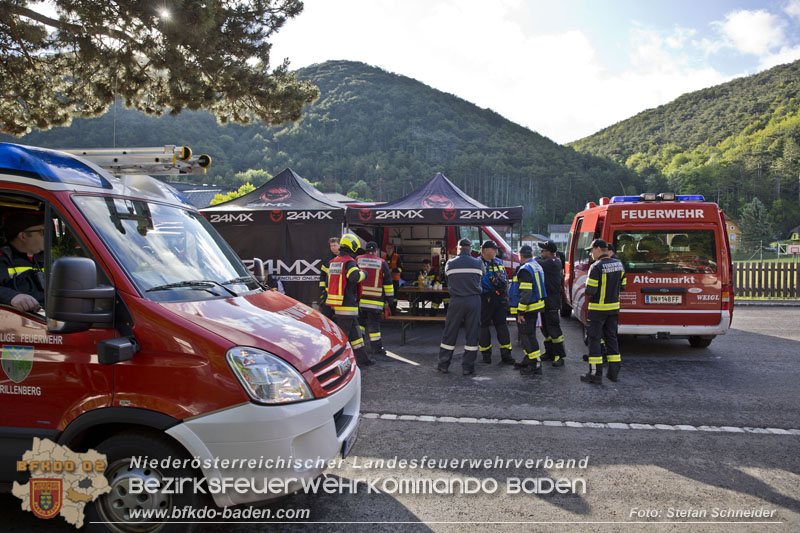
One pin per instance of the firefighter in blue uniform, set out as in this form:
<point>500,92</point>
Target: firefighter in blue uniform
<point>344,277</point>
<point>494,305</point>
<point>463,274</point>
<point>527,294</point>
<point>605,280</point>
<point>21,271</point>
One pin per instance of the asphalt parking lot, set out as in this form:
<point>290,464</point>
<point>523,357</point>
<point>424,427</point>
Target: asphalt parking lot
<point>689,439</point>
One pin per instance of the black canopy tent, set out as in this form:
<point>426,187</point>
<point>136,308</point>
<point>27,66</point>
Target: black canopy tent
<point>437,202</point>
<point>415,217</point>
<point>286,223</point>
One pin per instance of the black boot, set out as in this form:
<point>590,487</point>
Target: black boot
<point>613,371</point>
<point>377,349</point>
<point>533,368</point>
<point>505,357</point>
<point>547,357</point>
<point>487,357</point>
<point>522,363</point>
<point>362,359</point>
<point>558,361</point>
<point>596,378</point>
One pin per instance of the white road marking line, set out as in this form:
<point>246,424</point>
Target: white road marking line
<point>573,424</point>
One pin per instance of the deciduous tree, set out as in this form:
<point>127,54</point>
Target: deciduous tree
<point>158,57</point>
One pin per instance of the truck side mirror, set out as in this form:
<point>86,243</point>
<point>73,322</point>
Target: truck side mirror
<point>258,270</point>
<point>71,294</point>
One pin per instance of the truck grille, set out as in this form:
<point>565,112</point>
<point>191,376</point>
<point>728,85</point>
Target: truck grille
<point>333,372</point>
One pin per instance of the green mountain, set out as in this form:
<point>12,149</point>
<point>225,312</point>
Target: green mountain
<point>733,142</point>
<point>376,135</point>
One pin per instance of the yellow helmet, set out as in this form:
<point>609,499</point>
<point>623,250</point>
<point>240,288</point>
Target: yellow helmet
<point>351,242</point>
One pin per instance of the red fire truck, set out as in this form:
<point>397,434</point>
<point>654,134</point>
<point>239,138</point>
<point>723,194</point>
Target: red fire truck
<point>156,341</point>
<point>678,263</point>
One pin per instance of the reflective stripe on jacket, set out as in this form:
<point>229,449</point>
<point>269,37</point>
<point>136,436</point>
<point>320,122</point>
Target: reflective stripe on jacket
<point>377,286</point>
<point>605,280</point>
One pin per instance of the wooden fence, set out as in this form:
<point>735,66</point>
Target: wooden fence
<point>766,280</point>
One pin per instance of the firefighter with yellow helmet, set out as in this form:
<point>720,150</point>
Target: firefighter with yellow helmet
<point>344,277</point>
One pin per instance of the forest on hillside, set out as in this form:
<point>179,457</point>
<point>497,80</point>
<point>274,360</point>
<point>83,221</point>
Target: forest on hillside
<point>375,135</point>
<point>734,143</point>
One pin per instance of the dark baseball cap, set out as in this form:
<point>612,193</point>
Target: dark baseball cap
<point>525,251</point>
<point>598,243</point>
<point>550,246</point>
<point>489,244</point>
<point>465,242</point>
<point>371,246</point>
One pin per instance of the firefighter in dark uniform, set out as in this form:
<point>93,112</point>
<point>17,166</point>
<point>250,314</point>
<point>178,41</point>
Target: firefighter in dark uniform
<point>605,280</point>
<point>551,324</point>
<point>344,276</point>
<point>463,274</point>
<point>327,310</point>
<point>527,294</point>
<point>392,258</point>
<point>21,270</point>
<point>376,292</point>
<point>494,305</point>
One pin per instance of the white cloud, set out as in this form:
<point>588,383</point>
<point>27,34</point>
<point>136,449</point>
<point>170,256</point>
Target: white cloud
<point>793,9</point>
<point>785,55</point>
<point>753,32</point>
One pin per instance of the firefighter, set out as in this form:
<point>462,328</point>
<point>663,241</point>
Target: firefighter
<point>376,292</point>
<point>527,294</point>
<point>392,258</point>
<point>333,243</point>
<point>463,274</point>
<point>21,271</point>
<point>551,324</point>
<point>344,276</point>
<point>494,305</point>
<point>605,280</point>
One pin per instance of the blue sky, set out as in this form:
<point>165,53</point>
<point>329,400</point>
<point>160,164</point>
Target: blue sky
<point>563,68</point>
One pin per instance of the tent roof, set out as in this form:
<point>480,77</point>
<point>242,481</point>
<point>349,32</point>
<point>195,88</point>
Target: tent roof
<point>438,201</point>
<point>286,192</point>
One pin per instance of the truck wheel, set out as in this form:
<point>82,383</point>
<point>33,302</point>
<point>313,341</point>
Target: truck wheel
<point>113,509</point>
<point>699,342</point>
<point>566,311</point>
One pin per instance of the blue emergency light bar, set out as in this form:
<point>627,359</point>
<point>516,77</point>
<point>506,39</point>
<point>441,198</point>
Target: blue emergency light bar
<point>48,165</point>
<point>649,197</point>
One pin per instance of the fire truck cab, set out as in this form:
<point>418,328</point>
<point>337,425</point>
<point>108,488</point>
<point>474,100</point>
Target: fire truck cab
<point>677,261</point>
<point>156,341</point>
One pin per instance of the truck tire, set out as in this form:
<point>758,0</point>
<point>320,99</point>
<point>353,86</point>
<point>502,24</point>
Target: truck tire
<point>699,342</point>
<point>115,506</point>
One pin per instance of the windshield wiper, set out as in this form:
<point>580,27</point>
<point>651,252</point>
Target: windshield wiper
<point>191,283</point>
<point>242,279</point>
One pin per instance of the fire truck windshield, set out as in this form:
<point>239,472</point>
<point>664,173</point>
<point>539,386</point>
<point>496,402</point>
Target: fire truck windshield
<point>677,251</point>
<point>171,254</point>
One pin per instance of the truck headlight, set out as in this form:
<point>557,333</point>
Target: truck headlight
<point>267,378</point>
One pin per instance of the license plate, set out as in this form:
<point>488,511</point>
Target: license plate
<point>349,442</point>
<point>662,299</point>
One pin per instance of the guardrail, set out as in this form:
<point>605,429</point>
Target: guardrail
<point>766,280</point>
